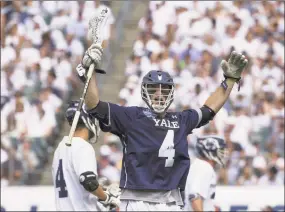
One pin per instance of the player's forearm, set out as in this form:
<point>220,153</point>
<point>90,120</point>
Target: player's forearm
<point>92,95</point>
<point>99,192</point>
<point>220,96</point>
<point>197,204</point>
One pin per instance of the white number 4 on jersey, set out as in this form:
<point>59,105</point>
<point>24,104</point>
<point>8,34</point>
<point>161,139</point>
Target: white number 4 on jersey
<point>167,149</point>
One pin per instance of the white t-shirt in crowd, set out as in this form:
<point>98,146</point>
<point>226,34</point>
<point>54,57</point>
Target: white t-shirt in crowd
<point>8,54</point>
<point>265,180</point>
<point>52,103</point>
<point>38,126</point>
<point>201,180</point>
<point>161,18</point>
<point>242,127</point>
<point>68,164</point>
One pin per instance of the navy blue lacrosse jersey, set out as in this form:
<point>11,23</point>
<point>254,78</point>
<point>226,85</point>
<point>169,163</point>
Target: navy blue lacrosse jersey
<point>155,150</point>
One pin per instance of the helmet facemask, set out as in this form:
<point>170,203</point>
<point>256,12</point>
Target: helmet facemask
<point>222,156</point>
<point>158,97</point>
<point>93,128</point>
<point>212,150</point>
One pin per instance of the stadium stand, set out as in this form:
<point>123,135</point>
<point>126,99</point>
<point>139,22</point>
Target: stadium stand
<point>42,42</point>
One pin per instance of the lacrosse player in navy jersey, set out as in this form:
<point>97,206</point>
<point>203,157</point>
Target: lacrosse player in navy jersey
<point>155,160</point>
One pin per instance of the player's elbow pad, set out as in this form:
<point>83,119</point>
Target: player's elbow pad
<point>207,115</point>
<point>89,181</point>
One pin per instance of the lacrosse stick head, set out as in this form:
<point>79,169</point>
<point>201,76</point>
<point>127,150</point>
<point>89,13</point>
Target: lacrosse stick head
<point>96,26</point>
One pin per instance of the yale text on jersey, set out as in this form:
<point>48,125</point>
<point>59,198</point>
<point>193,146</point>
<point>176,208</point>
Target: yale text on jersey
<point>166,123</point>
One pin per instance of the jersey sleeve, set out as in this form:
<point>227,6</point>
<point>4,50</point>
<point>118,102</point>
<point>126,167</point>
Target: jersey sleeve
<point>191,118</point>
<point>84,159</point>
<point>119,119</point>
<point>199,180</point>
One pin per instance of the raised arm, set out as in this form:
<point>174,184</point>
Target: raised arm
<point>220,96</point>
<point>92,55</point>
<point>232,72</point>
<point>92,96</point>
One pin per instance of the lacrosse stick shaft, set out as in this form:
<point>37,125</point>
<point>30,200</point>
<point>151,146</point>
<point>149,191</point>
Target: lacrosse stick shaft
<point>78,109</point>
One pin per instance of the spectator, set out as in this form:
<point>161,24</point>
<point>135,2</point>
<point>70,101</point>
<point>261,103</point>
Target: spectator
<point>271,177</point>
<point>106,168</point>
<point>116,151</point>
<point>247,177</point>
<point>40,127</point>
<point>29,162</point>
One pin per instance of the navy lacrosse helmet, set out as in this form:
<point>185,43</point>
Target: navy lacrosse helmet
<point>213,148</point>
<point>157,90</point>
<point>85,120</point>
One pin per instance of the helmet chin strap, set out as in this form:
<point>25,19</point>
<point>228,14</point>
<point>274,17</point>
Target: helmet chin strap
<point>158,110</point>
<point>159,114</point>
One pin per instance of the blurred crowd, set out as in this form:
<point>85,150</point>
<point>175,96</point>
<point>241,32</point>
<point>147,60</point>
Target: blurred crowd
<point>41,43</point>
<point>189,40</point>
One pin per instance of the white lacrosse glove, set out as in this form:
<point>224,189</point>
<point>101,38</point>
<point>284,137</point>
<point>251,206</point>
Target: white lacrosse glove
<point>234,67</point>
<point>113,193</point>
<point>92,55</point>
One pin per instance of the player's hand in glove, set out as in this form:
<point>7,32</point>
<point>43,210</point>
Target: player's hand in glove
<point>92,55</point>
<point>234,67</point>
<point>113,193</point>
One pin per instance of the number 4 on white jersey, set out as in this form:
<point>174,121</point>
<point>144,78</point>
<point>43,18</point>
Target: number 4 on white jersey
<point>167,149</point>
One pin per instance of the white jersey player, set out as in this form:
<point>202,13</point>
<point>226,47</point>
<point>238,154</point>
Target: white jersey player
<point>74,170</point>
<point>202,179</point>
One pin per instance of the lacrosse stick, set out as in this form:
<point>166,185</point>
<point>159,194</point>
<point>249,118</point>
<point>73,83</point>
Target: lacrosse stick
<point>96,25</point>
